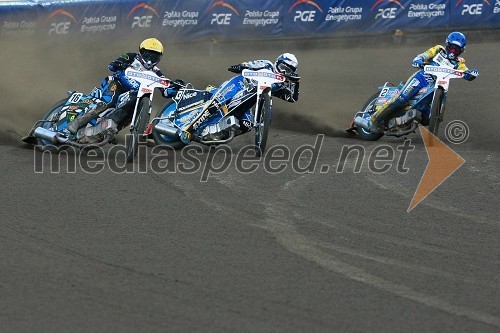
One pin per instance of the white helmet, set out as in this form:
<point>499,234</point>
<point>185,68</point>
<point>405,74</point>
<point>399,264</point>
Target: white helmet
<point>286,63</point>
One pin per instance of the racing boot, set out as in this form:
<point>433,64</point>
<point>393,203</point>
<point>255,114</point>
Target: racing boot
<point>84,119</point>
<point>246,122</point>
<point>185,137</point>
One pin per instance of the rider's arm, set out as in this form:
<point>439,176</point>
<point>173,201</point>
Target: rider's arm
<point>260,64</point>
<point>461,64</point>
<point>238,68</point>
<point>424,58</point>
<point>122,62</point>
<point>288,92</point>
<point>158,71</point>
<point>470,74</point>
<point>431,53</point>
<point>255,65</point>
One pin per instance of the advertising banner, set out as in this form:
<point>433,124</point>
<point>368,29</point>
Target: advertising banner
<point>239,19</point>
<point>475,13</point>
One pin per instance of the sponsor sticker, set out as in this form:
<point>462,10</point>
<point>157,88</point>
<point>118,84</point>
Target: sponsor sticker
<point>275,76</point>
<point>71,115</point>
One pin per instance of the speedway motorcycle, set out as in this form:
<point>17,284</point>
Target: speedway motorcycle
<point>190,112</point>
<point>426,107</point>
<point>50,133</point>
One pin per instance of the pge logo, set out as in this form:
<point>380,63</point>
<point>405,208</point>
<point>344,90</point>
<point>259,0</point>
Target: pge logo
<point>386,13</point>
<point>304,15</point>
<point>143,21</point>
<point>222,18</point>
<point>60,27</point>
<point>472,9</point>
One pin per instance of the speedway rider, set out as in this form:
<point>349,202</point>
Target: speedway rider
<point>455,45</point>
<point>120,93</point>
<point>236,96</point>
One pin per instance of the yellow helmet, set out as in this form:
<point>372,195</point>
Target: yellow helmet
<point>151,51</point>
<point>151,44</point>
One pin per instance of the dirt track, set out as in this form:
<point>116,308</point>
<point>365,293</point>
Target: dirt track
<point>337,78</point>
<point>320,251</point>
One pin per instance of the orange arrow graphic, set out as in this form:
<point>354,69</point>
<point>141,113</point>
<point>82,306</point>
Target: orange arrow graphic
<point>443,162</point>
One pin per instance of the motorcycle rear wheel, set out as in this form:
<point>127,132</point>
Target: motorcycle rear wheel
<point>364,133</point>
<point>263,123</point>
<point>141,123</point>
<point>44,145</point>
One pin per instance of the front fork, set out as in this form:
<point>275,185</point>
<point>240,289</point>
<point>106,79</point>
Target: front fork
<point>134,116</point>
<point>442,107</point>
<point>260,91</point>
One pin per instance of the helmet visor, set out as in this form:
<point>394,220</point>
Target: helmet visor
<point>455,49</point>
<point>284,68</point>
<point>151,57</point>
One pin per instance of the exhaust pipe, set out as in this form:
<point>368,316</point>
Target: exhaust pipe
<point>362,122</point>
<point>167,130</point>
<point>45,134</point>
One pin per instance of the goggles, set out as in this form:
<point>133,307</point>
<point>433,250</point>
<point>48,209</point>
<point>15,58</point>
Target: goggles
<point>151,57</point>
<point>285,69</point>
<point>455,49</point>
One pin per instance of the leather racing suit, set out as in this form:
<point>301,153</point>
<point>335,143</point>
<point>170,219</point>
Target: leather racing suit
<point>239,97</point>
<point>416,82</point>
<point>117,94</point>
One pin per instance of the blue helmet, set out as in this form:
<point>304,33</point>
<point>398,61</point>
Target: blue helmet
<point>455,45</point>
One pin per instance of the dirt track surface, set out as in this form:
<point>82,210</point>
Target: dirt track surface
<point>288,251</point>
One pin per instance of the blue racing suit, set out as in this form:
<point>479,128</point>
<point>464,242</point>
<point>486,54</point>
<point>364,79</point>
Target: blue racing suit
<point>417,81</point>
<point>120,93</point>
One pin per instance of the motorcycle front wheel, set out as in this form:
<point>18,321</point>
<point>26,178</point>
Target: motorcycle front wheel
<point>436,111</point>
<point>263,123</point>
<point>141,123</point>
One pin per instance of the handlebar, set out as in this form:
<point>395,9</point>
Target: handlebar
<point>291,77</point>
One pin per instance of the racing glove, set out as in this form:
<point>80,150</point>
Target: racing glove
<point>237,68</point>
<point>471,74</point>
<point>418,63</point>
<point>293,77</point>
<point>174,87</point>
<point>168,92</point>
<point>177,84</point>
<point>118,65</point>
